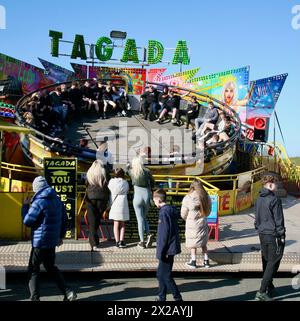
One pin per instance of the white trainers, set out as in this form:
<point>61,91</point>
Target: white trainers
<point>192,264</point>
<point>149,240</point>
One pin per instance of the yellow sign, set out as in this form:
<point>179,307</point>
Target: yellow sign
<point>226,202</point>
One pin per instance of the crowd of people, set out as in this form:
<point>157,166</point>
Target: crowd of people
<point>214,127</point>
<point>50,111</point>
<point>47,218</point>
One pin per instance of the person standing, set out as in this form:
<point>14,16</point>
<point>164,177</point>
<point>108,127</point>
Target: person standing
<point>47,218</point>
<point>196,206</point>
<point>168,245</point>
<point>143,182</point>
<point>119,211</point>
<point>269,222</point>
<point>97,196</point>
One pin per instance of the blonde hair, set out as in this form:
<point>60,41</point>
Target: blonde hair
<point>96,175</point>
<point>137,166</point>
<point>204,206</point>
<point>232,85</point>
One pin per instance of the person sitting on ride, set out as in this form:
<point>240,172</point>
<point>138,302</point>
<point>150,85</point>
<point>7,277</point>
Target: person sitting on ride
<point>218,128</point>
<point>143,104</point>
<point>124,98</point>
<point>214,140</point>
<point>65,97</point>
<point>118,98</point>
<point>98,92</point>
<point>190,113</point>
<point>75,96</point>
<point>108,100</point>
<point>228,131</point>
<point>152,102</point>
<point>88,96</point>
<point>163,98</point>
<point>211,116</point>
<point>172,105</point>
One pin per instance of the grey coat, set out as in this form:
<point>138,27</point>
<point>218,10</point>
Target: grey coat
<point>196,228</point>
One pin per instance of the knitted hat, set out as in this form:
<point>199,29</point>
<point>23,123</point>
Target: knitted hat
<point>39,183</point>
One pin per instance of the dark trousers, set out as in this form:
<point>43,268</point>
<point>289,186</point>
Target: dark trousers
<point>166,281</point>
<point>95,210</point>
<point>271,256</point>
<point>46,257</point>
<point>189,116</point>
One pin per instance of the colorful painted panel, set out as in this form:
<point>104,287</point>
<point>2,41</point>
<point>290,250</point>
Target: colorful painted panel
<point>23,77</point>
<point>134,79</point>
<point>56,73</point>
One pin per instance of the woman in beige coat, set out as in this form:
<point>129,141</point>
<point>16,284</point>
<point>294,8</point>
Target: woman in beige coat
<point>196,206</point>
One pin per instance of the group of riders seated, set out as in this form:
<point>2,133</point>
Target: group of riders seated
<point>50,111</point>
<point>214,127</point>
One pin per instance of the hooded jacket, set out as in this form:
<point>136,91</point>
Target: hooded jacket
<point>168,242</point>
<point>269,217</point>
<point>46,217</point>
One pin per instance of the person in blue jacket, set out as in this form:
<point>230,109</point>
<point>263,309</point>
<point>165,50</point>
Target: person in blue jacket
<point>168,245</point>
<point>47,218</point>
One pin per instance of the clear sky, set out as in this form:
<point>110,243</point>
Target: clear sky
<point>221,34</point>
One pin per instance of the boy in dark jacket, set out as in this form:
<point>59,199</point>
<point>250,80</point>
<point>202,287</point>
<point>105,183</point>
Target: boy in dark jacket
<point>47,219</point>
<point>168,245</point>
<point>269,222</point>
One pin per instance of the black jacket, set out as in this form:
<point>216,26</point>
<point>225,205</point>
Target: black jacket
<point>269,214</point>
<point>168,241</point>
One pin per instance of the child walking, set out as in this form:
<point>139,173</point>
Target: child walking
<point>168,245</point>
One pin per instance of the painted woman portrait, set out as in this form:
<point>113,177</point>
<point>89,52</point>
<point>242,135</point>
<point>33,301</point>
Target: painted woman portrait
<point>230,96</point>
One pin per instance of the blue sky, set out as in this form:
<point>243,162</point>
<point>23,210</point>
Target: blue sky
<point>221,34</point>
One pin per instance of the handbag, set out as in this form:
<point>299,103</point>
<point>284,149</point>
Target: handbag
<point>105,214</point>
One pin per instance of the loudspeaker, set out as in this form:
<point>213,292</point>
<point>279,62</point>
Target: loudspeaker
<point>261,129</point>
<point>260,123</point>
<point>259,135</point>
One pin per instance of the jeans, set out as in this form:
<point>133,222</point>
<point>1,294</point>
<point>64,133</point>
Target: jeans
<point>199,122</point>
<point>166,281</point>
<point>46,257</point>
<point>141,205</point>
<point>271,257</point>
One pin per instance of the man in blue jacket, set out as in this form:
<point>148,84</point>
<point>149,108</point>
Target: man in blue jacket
<point>168,245</point>
<point>47,219</point>
<point>269,221</point>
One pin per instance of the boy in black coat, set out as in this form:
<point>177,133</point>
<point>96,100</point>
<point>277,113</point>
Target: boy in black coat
<point>168,245</point>
<point>269,222</point>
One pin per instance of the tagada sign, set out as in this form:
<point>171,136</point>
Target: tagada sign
<point>103,49</point>
<point>61,174</point>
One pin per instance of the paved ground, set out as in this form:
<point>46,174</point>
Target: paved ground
<point>237,250</point>
<point>95,288</point>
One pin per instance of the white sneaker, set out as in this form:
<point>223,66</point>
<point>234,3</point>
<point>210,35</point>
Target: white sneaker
<point>149,240</point>
<point>128,107</point>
